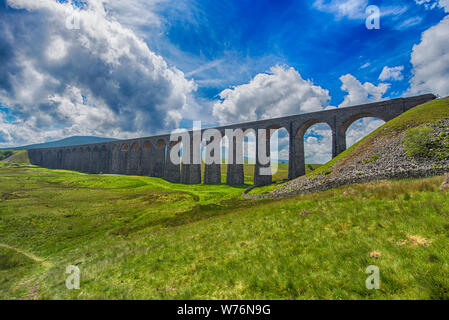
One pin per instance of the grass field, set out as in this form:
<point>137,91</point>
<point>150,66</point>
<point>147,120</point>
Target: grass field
<point>279,174</point>
<point>144,238</point>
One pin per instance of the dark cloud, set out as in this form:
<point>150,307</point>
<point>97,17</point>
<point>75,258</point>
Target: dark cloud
<point>101,79</point>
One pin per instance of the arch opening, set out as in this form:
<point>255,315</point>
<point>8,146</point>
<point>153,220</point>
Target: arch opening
<point>86,160</point>
<point>147,158</point>
<point>317,139</point>
<point>160,144</point>
<point>134,159</point>
<point>95,160</point>
<point>104,160</point>
<point>135,147</point>
<point>249,155</point>
<point>179,146</point>
<point>79,159</point>
<point>360,128</point>
<point>279,153</point>
<point>123,165</point>
<point>115,159</point>
<point>159,158</point>
<point>211,158</point>
<point>172,169</point>
<point>67,159</point>
<point>147,145</point>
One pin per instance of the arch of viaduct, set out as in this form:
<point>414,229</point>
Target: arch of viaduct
<point>150,156</point>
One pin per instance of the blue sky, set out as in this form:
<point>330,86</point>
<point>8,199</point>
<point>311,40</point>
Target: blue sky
<point>140,67</point>
<point>320,44</point>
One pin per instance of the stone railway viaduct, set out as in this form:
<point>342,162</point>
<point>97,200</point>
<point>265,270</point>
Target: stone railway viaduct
<point>150,156</point>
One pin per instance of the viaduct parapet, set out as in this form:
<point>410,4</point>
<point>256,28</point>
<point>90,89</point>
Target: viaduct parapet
<point>150,156</point>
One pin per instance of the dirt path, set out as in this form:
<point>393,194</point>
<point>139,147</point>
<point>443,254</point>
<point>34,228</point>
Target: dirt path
<point>29,255</point>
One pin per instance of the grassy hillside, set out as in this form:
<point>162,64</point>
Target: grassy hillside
<point>19,156</point>
<point>421,115</point>
<point>140,237</point>
<point>5,154</point>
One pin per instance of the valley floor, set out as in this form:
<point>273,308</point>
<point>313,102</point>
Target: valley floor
<point>145,238</point>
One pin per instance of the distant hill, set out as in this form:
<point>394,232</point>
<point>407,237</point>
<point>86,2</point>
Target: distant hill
<point>71,141</point>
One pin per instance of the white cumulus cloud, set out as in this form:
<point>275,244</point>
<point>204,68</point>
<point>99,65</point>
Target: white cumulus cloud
<point>394,73</point>
<point>100,79</point>
<point>359,93</point>
<point>280,92</point>
<point>444,4</point>
<point>318,144</point>
<point>430,60</point>
<point>360,129</point>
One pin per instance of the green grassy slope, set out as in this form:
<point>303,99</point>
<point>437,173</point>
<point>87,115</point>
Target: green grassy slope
<point>5,154</point>
<point>424,114</point>
<point>140,237</point>
<point>16,156</point>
